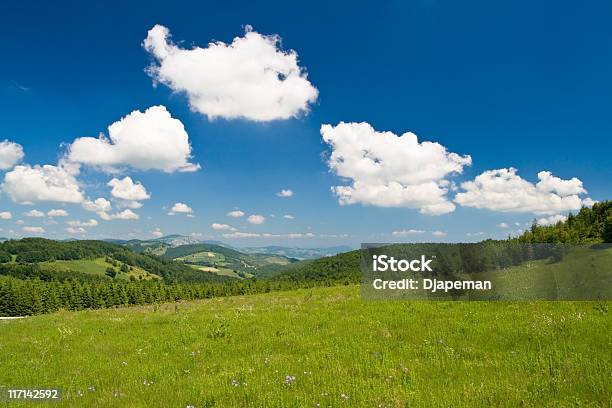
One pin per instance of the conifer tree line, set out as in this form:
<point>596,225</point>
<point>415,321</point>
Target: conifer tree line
<point>24,297</point>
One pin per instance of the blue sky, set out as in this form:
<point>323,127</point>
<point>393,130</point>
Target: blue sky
<point>512,84</point>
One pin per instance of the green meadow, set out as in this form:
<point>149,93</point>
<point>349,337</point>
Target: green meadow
<point>316,347</point>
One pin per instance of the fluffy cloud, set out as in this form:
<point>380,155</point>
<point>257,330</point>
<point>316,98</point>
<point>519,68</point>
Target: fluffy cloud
<point>256,219</point>
<point>439,233</point>
<point>404,232</point>
<point>288,217</point>
<point>29,184</point>
<point>180,208</point>
<point>34,214</point>
<point>157,233</point>
<point>144,141</point>
<point>504,190</point>
<point>57,213</point>
<point>285,193</point>
<point>75,230</point>
<point>5,215</point>
<point>126,214</point>
<point>552,220</point>
<point>222,227</point>
<point>389,170</point>
<point>250,78</point>
<point>10,154</point>
<point>98,205</point>
<point>34,230</point>
<point>89,223</point>
<point>128,193</point>
<point>235,214</point>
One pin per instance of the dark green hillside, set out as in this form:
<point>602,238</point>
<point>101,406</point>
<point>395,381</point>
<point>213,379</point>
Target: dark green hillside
<point>338,268</point>
<point>33,258</point>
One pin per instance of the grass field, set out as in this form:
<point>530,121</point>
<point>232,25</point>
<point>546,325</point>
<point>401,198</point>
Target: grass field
<point>321,346</point>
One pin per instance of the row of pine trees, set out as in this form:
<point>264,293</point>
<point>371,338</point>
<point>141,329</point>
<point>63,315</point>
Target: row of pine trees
<point>23,297</point>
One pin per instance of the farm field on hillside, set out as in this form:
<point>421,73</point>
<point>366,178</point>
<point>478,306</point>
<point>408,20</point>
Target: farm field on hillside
<point>320,346</point>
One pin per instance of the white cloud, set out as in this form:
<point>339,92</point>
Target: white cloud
<point>235,214</point>
<point>128,193</point>
<point>389,170</point>
<point>474,234</point>
<point>288,217</point>
<point>404,232</point>
<point>502,225</point>
<point>126,214</point>
<point>30,184</point>
<point>10,154</point>
<point>57,213</point>
<point>285,193</point>
<point>157,233</point>
<point>250,78</point>
<point>19,222</point>
<point>256,219</point>
<point>180,208</point>
<point>504,190</point>
<point>144,141</point>
<point>34,214</point>
<point>75,230</point>
<point>588,202</point>
<point>99,205</point>
<point>551,220</point>
<point>5,215</point>
<point>34,230</point>
<point>222,227</point>
<point>90,223</point>
<point>439,233</point>
<point>549,183</point>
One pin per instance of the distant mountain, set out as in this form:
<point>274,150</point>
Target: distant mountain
<point>297,253</point>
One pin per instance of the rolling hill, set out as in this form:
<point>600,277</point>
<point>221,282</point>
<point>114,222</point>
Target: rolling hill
<point>90,260</point>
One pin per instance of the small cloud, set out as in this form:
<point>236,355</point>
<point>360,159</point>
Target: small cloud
<point>439,233</point>
<point>157,233</point>
<point>34,214</point>
<point>75,230</point>
<point>502,225</point>
<point>89,223</point>
<point>126,214</point>
<point>34,230</point>
<point>256,219</point>
<point>5,215</point>
<point>474,234</point>
<point>222,227</point>
<point>180,208</point>
<point>404,232</point>
<point>235,214</point>
<point>57,213</point>
<point>19,222</point>
<point>288,217</point>
<point>285,193</point>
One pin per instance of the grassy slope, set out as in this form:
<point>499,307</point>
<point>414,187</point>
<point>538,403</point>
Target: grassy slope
<point>389,353</point>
